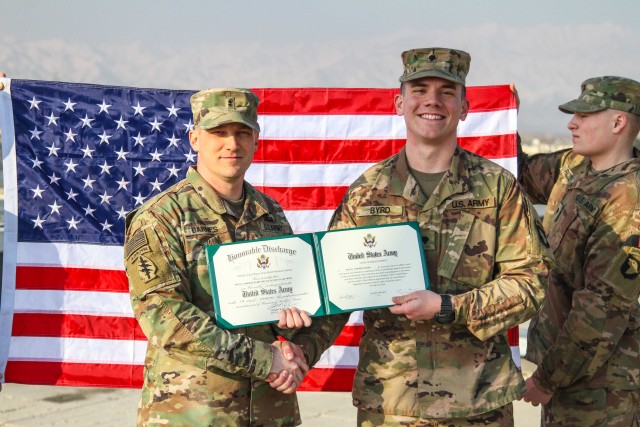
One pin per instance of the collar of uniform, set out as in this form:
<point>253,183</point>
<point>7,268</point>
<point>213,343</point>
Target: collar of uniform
<point>402,183</point>
<point>457,179</point>
<point>458,176</point>
<point>591,182</point>
<point>208,195</point>
<point>257,203</point>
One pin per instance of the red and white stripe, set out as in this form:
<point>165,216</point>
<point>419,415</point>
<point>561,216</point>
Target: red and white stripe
<point>65,315</point>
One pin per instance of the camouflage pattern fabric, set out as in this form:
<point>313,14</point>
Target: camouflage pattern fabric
<point>449,64</point>
<point>197,374</point>
<point>587,336</point>
<point>483,245</point>
<point>218,106</point>
<point>600,93</point>
<point>501,417</point>
<point>599,407</point>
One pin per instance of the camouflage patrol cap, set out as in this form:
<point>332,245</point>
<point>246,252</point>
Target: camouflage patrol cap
<point>448,64</point>
<point>600,93</point>
<point>218,106</point>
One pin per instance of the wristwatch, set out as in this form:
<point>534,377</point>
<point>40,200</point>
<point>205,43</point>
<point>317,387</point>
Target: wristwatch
<point>446,314</point>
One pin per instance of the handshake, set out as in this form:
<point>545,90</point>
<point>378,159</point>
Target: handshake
<point>289,365</point>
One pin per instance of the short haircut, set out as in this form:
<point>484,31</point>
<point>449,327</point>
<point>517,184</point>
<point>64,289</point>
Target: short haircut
<point>634,124</point>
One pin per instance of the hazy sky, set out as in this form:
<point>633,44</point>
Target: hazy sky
<point>547,48</point>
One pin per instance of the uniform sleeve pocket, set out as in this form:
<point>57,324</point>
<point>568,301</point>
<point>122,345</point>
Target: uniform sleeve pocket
<point>469,258</point>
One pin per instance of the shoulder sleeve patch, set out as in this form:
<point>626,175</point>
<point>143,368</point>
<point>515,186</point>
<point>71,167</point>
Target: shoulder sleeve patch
<point>146,269</point>
<point>136,245</point>
<point>633,241</point>
<point>630,267</point>
<point>148,264</point>
<point>624,269</point>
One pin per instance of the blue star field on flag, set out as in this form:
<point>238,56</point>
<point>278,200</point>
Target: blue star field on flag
<point>89,154</point>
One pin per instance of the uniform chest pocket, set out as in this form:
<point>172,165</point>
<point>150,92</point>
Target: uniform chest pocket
<point>561,220</point>
<point>194,245</point>
<point>469,254</point>
<point>566,234</point>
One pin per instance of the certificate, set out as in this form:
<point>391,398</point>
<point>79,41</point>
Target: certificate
<point>253,280</point>
<point>322,273</point>
<point>365,267</point>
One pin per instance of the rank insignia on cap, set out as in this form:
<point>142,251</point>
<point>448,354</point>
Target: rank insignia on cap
<point>231,102</point>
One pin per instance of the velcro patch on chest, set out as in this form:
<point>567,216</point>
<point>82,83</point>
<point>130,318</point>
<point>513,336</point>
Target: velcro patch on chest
<point>428,240</point>
<point>270,227</point>
<point>269,224</point>
<point>192,230</point>
<point>584,202</point>
<point>379,211</point>
<point>475,203</point>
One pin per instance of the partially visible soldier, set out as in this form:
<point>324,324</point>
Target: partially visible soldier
<point>196,373</point>
<point>441,356</point>
<point>586,339</point>
<point>1,375</point>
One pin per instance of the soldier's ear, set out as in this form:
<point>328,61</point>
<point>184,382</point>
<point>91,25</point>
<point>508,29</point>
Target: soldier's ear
<point>464,109</point>
<point>256,137</point>
<point>193,139</point>
<point>620,122</point>
<point>398,100</point>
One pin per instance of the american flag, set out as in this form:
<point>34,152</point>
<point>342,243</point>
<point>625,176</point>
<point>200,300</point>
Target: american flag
<point>79,157</point>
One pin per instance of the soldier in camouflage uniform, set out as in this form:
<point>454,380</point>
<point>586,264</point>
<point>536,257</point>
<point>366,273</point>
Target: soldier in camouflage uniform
<point>586,339</point>
<point>196,373</point>
<point>440,357</point>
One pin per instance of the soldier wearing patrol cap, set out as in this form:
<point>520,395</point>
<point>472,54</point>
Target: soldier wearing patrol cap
<point>441,356</point>
<point>586,339</point>
<point>196,373</point>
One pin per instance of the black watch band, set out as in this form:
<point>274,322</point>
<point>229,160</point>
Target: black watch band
<point>446,314</point>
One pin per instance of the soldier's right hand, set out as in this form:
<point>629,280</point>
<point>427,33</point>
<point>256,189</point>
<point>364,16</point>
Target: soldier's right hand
<point>417,305</point>
<point>287,372</point>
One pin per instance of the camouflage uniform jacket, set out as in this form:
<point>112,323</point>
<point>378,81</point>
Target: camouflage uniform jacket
<point>588,332</point>
<point>197,374</point>
<point>482,244</point>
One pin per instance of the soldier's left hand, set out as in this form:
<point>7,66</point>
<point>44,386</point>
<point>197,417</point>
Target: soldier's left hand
<point>291,318</point>
<point>512,87</point>
<point>534,395</point>
<point>418,305</point>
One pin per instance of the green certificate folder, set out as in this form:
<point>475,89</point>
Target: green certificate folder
<point>322,273</point>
